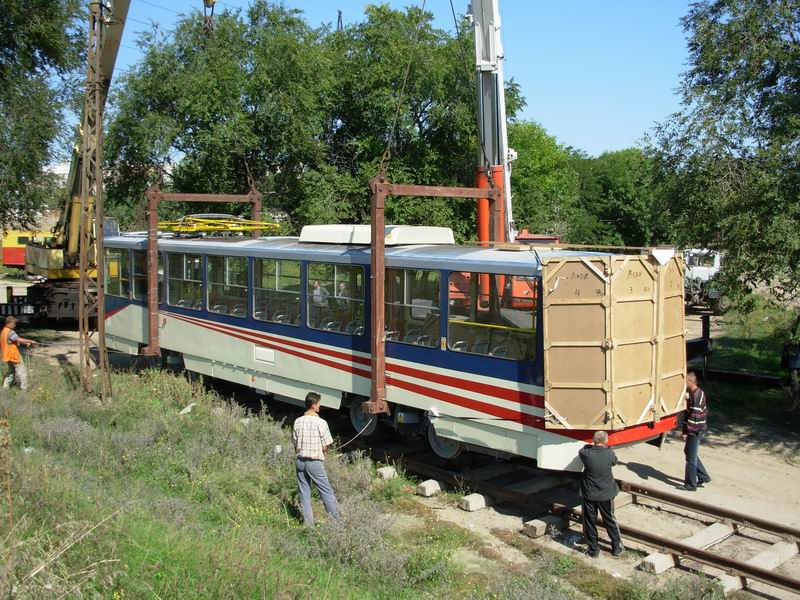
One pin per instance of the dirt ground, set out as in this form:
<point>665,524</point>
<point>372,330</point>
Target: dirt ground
<point>746,477</point>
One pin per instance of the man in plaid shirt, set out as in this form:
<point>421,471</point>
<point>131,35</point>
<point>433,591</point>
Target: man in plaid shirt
<point>312,438</point>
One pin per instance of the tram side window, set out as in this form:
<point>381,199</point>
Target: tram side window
<point>412,306</point>
<point>185,285</point>
<point>117,277</point>
<point>226,279</point>
<point>276,290</point>
<point>336,298</point>
<point>492,314</point>
<point>140,276</point>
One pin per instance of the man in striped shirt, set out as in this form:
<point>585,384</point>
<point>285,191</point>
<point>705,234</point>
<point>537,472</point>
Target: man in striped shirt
<point>694,428</point>
<point>312,438</point>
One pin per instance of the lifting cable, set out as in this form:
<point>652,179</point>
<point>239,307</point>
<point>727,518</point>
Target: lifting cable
<point>387,154</point>
<point>353,439</point>
<point>208,15</point>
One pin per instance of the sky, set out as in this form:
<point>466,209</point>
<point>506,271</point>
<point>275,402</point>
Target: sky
<point>596,74</point>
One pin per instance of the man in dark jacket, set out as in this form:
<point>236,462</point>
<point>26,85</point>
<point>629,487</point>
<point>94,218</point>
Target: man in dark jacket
<point>598,490</point>
<point>694,429</point>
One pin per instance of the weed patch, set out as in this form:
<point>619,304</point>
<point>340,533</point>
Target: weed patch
<point>752,341</point>
<point>598,584</point>
<point>204,504</point>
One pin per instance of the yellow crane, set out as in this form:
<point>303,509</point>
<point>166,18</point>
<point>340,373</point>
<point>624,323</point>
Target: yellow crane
<point>70,265</point>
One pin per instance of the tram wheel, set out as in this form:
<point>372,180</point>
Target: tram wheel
<point>444,447</point>
<point>363,421</point>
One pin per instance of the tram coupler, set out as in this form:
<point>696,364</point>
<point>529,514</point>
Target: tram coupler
<point>376,407</point>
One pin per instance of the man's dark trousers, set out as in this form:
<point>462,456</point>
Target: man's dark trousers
<point>695,470</point>
<point>606,509</point>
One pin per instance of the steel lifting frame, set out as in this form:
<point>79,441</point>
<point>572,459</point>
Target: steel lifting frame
<point>154,197</point>
<point>381,189</point>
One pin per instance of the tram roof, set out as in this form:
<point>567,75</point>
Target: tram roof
<point>445,256</point>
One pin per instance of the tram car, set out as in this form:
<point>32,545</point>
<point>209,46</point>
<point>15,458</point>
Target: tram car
<point>597,341</point>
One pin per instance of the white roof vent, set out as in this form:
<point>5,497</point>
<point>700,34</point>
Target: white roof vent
<point>396,235</point>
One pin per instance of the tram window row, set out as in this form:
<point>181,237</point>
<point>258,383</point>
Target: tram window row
<point>488,314</point>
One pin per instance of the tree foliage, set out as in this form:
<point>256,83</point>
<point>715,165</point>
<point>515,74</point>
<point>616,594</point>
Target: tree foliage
<point>212,110</point>
<point>617,199</point>
<point>729,163</point>
<point>544,185</point>
<point>604,200</point>
<point>306,112</point>
<point>40,50</point>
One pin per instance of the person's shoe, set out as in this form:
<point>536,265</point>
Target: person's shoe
<point>618,550</point>
<point>686,488</point>
<point>702,483</point>
<point>592,552</point>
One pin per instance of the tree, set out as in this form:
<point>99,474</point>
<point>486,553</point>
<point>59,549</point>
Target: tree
<point>212,111</point>
<point>41,44</point>
<point>306,112</point>
<point>544,184</point>
<point>616,195</point>
<point>728,165</point>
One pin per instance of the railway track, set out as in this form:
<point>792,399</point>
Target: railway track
<point>553,498</point>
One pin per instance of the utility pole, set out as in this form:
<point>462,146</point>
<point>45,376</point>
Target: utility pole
<point>339,24</point>
<point>91,256</point>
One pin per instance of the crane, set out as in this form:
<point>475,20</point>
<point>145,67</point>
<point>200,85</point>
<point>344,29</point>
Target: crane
<point>495,155</point>
<point>71,265</point>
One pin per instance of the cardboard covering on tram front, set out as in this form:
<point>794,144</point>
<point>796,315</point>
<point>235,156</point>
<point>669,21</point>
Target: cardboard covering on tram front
<point>614,339</point>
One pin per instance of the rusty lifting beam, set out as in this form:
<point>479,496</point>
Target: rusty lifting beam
<point>154,197</point>
<point>381,189</point>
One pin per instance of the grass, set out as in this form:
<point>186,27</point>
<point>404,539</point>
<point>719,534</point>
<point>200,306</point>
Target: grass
<point>12,273</point>
<point>42,334</point>
<point>752,341</point>
<point>133,500</point>
<point>756,417</point>
<point>600,585</point>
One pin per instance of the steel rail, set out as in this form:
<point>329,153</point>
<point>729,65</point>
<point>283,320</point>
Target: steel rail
<point>710,509</point>
<point>677,549</point>
<point>731,566</point>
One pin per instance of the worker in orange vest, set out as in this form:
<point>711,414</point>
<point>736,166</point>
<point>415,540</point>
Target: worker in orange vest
<point>9,344</point>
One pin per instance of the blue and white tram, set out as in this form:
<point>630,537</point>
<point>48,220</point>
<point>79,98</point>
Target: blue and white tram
<point>466,356</point>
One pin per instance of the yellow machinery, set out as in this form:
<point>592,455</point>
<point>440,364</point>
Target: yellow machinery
<point>215,224</point>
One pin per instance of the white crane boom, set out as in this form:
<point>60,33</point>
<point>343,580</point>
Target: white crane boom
<point>484,16</point>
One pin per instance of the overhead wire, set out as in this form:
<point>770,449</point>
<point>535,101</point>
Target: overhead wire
<point>151,22</point>
<point>153,4</point>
